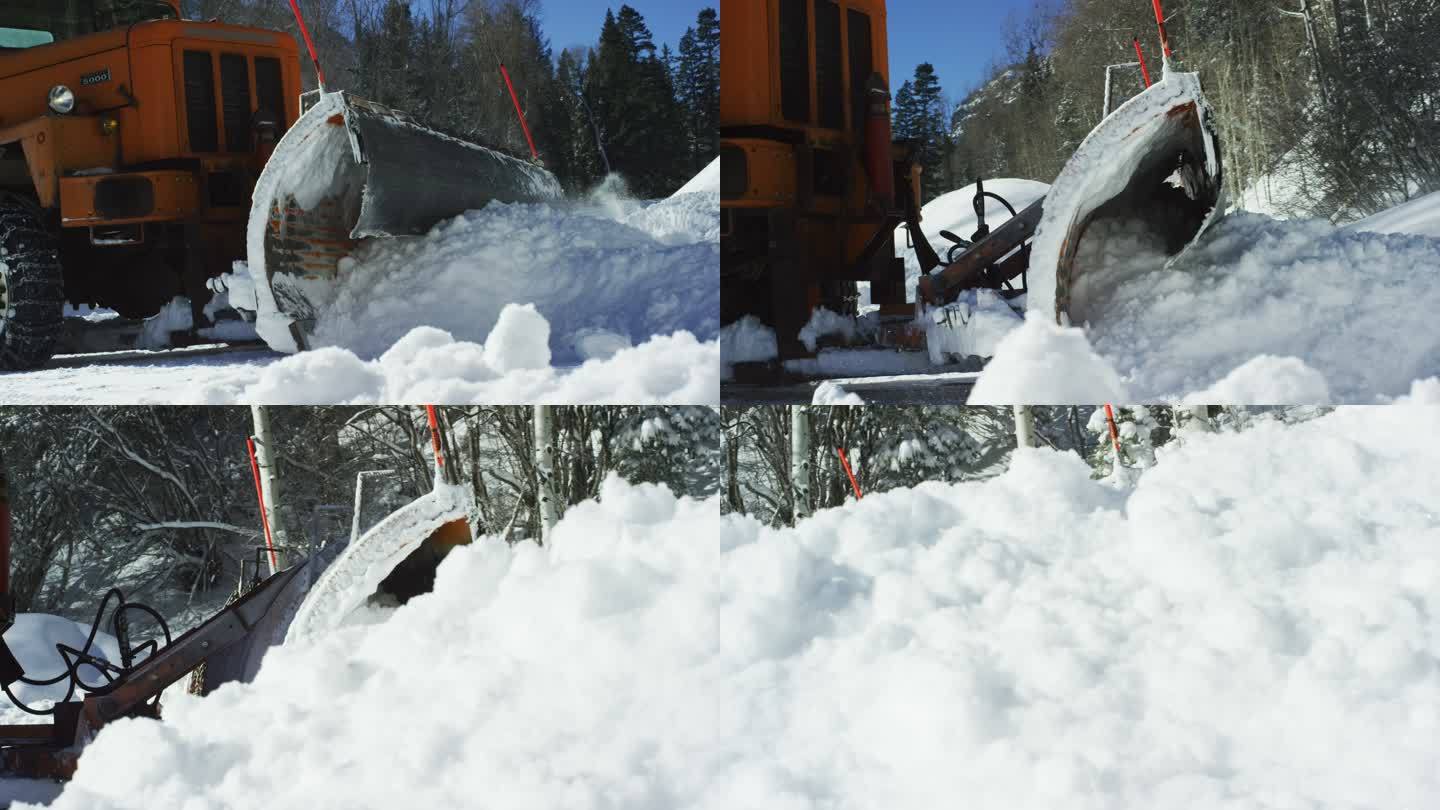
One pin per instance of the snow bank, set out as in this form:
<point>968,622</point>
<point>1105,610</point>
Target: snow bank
<point>1419,217</point>
<point>1256,624</point>
<point>955,212</point>
<point>1041,363</point>
<point>824,323</point>
<point>569,676</point>
<point>512,366</point>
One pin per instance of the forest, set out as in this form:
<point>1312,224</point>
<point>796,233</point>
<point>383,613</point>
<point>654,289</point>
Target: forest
<point>783,463</point>
<point>161,501</point>
<point>1326,108</point>
<point>624,106</point>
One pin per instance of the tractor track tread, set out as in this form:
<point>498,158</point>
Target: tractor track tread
<point>34,288</point>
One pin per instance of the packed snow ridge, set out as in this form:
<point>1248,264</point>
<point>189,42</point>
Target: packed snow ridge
<point>1256,623</point>
<point>567,676</point>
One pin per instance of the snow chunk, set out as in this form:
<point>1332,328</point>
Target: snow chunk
<point>824,323</point>
<point>971,326</point>
<point>1267,379</point>
<point>173,317</point>
<point>430,365</point>
<point>520,340</point>
<point>746,341</point>
<point>829,393</point>
<point>1041,363</point>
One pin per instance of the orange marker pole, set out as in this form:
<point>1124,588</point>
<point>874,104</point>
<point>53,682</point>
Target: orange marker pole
<point>260,495</point>
<point>309,43</point>
<point>1144,70</point>
<point>845,462</point>
<point>435,435</point>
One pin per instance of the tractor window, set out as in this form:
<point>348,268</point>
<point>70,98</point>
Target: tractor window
<point>860,67</point>
<point>795,60</point>
<point>28,23</point>
<point>829,65</point>
<point>16,38</point>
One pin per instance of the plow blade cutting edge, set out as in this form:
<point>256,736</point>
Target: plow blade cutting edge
<point>1156,158</point>
<point>350,170</point>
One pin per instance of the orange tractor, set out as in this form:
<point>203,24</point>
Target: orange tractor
<point>130,141</point>
<point>142,155</point>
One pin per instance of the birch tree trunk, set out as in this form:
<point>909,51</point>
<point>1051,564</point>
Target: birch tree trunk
<point>267,457</point>
<point>545,470</point>
<point>800,459</point>
<point>1024,426</point>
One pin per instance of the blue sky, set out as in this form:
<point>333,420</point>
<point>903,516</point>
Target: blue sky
<point>577,22</point>
<point>959,38</point>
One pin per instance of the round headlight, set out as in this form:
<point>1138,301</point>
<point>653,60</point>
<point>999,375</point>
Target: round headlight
<point>62,99</point>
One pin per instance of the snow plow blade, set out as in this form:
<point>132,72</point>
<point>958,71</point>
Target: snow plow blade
<point>351,170</point>
<point>1157,159</point>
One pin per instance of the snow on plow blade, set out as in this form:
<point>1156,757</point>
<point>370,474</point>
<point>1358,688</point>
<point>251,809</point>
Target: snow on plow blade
<point>349,170</point>
<point>395,556</point>
<point>1156,159</point>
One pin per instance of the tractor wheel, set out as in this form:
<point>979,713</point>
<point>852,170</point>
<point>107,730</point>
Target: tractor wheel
<point>32,292</point>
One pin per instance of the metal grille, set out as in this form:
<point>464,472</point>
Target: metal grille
<point>235,101</point>
<point>200,102</point>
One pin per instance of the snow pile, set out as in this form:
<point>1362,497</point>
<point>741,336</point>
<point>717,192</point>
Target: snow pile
<point>512,366</point>
<point>1419,217</point>
<point>566,676</point>
<point>173,317</point>
<point>580,270</point>
<point>955,212</point>
<point>971,326</point>
<point>1255,624</point>
<point>746,341</point>
<point>832,393</point>
<point>1041,363</point>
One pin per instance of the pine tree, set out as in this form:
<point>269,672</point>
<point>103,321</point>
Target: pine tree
<point>920,115</point>
<point>698,86</point>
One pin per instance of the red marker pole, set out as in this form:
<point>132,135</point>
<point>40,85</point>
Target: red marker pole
<point>845,462</point>
<point>1114,433</point>
<point>516,99</point>
<point>1164,37</point>
<point>260,495</point>
<point>435,435</point>
<point>1144,70</point>
<point>309,43</point>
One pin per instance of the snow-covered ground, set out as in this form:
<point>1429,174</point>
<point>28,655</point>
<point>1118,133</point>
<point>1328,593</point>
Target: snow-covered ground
<point>606,299</point>
<point>577,675</point>
<point>1420,217</point>
<point>1255,624</point>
